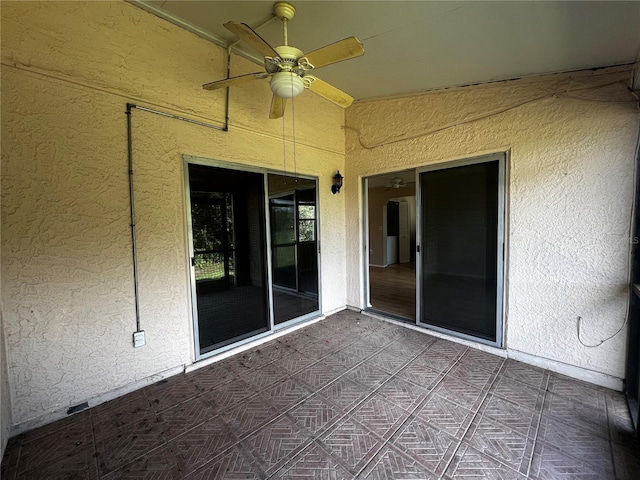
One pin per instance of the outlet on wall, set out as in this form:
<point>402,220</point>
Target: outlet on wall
<point>139,339</point>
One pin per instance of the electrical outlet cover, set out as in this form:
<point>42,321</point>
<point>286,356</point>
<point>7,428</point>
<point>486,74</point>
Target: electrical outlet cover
<point>139,339</point>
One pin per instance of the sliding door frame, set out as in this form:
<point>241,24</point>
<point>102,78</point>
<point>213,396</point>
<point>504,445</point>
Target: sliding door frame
<point>501,247</point>
<point>208,162</point>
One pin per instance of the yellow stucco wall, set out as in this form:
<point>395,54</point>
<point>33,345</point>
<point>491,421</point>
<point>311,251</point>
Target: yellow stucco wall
<point>570,141</point>
<point>68,70</point>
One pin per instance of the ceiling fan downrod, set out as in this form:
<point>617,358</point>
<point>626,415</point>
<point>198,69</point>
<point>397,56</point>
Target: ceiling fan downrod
<point>285,12</point>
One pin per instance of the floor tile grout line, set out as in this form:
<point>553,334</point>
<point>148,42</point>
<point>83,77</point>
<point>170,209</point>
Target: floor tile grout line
<point>537,431</point>
<point>464,434</point>
<point>611,454</point>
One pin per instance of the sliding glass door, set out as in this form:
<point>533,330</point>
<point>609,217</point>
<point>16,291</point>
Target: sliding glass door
<point>254,253</point>
<point>460,248</point>
<point>294,247</point>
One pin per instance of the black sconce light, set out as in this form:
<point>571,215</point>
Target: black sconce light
<point>337,183</point>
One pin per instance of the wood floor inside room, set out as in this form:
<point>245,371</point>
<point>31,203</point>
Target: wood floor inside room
<point>393,289</point>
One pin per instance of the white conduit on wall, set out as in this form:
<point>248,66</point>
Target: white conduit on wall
<point>134,248</point>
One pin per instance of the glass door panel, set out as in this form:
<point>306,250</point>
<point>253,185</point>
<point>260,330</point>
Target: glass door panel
<point>294,247</point>
<point>229,255</point>
<point>460,266</point>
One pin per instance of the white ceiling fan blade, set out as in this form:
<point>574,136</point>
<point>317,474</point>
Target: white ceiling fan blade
<point>336,52</point>
<point>277,107</point>
<point>245,33</point>
<point>233,80</point>
<point>329,92</point>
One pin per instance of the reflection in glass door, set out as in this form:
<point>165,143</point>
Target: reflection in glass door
<point>228,255</point>
<point>461,257</point>
<point>294,247</point>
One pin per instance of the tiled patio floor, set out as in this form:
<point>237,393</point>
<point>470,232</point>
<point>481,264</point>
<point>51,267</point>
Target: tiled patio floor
<point>349,397</point>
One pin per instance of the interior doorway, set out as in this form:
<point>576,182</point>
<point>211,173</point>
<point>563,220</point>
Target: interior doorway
<point>391,200</point>
<point>435,253</point>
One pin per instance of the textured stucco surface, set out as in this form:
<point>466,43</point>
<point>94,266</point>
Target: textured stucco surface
<point>69,68</point>
<point>569,187</point>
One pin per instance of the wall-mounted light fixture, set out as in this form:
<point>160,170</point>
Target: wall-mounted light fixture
<point>337,183</point>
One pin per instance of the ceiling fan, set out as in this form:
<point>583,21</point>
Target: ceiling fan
<point>396,182</point>
<point>288,67</point>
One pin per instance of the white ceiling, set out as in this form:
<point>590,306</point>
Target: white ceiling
<point>421,45</point>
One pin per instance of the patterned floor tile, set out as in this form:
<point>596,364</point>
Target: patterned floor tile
<point>185,416</point>
<point>171,391</point>
<point>472,374</point>
<point>626,461</point>
<point>577,391</point>
<point>318,350</point>
<point>111,417</point>
<point>212,376</point>
<point>391,464</point>
<point>621,432</point>
<point>313,463</point>
<point>405,349</point>
<point>232,464</point>
<point>316,414</point>
<point>445,415</point>
<point>550,463</point>
<point>380,415</point>
<point>578,414</point>
<point>128,445</point>
<point>80,465</point>
<point>533,376</point>
<point>287,393</point>
<point>318,375</point>
<point>487,361</point>
<point>230,394</point>
<point>426,444</point>
<point>352,444</point>
<point>296,339</point>
<point>368,376</point>
<point>293,363</point>
<point>70,444</point>
<point>512,415</point>
<point>198,446</point>
<point>84,416</point>
<point>471,464</point>
<point>421,375</point>
<point>460,392</point>
<point>276,443</point>
<point>342,360</point>
<point>617,404</point>
<point>447,347</point>
<point>388,361</point>
<point>249,415</point>
<point>518,392</point>
<point>360,349</point>
<point>403,394</point>
<point>575,441</point>
<point>344,393</point>
<point>500,442</point>
<point>160,464</point>
<point>435,360</point>
<point>263,377</point>
<point>272,351</point>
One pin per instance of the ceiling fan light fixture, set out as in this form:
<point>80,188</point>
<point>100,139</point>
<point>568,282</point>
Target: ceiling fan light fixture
<point>287,85</point>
